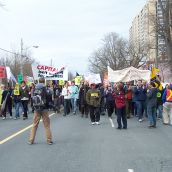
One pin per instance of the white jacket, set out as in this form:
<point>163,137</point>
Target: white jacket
<point>66,93</point>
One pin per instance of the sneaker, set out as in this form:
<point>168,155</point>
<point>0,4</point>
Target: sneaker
<point>30,143</point>
<point>50,143</point>
<point>15,118</point>
<point>118,128</point>
<point>140,120</point>
<point>93,123</point>
<point>98,123</point>
<point>11,117</point>
<point>3,118</point>
<point>151,126</point>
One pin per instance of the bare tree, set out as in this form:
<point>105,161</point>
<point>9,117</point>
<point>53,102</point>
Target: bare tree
<point>165,28</point>
<point>138,56</point>
<point>113,53</point>
<point>13,60</point>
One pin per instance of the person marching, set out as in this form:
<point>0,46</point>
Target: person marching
<point>67,96</point>
<point>109,101</point>
<point>74,96</point>
<point>93,98</point>
<point>7,99</point>
<point>167,105</point>
<point>41,106</point>
<point>17,100</point>
<point>140,99</point>
<point>152,104</point>
<point>24,91</point>
<point>84,108</point>
<point>120,102</point>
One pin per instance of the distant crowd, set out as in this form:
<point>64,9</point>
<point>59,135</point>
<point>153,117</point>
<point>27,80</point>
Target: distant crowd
<point>125,100</point>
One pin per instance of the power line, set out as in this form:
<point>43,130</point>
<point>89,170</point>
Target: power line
<point>9,51</point>
<point>13,52</point>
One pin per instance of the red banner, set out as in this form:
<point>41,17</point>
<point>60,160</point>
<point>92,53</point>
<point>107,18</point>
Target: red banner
<point>2,72</point>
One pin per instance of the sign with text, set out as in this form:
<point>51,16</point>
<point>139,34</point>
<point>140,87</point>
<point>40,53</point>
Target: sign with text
<point>20,78</point>
<point>17,90</point>
<point>61,82</point>
<point>49,73</point>
<point>78,80</point>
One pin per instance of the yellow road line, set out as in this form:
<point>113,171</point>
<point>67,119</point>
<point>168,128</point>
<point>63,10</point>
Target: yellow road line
<point>19,132</point>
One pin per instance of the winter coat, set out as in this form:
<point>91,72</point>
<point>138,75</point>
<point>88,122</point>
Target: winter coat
<point>119,97</point>
<point>152,97</point>
<point>93,97</point>
<point>140,94</point>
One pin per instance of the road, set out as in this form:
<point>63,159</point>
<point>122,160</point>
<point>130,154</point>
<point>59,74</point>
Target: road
<point>81,147</point>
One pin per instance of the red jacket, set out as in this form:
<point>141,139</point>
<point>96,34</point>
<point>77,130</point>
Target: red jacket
<point>119,99</point>
<point>129,95</point>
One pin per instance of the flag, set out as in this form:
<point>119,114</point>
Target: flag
<point>10,76</point>
<point>154,72</point>
<point>77,74</point>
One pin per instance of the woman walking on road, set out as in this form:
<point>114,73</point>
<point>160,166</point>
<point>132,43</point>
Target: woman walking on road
<point>109,101</point>
<point>120,103</point>
<point>7,99</point>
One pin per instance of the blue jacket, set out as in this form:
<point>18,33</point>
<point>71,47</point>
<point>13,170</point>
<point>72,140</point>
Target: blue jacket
<point>109,96</point>
<point>140,94</point>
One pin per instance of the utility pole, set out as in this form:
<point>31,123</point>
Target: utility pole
<point>51,63</point>
<point>21,56</point>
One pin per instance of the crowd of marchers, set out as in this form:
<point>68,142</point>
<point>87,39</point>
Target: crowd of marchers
<point>125,100</point>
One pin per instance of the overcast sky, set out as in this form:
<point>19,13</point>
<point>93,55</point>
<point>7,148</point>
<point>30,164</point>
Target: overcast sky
<point>67,31</point>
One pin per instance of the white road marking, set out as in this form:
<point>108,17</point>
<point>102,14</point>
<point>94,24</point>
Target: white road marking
<point>130,170</point>
<point>19,132</point>
<point>112,124</point>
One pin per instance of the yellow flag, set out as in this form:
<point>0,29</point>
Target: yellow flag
<point>154,72</point>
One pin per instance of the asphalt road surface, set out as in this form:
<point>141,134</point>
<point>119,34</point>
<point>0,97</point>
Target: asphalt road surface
<point>80,147</point>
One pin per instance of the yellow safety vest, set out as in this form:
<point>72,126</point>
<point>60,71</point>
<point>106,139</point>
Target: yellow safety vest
<point>169,95</point>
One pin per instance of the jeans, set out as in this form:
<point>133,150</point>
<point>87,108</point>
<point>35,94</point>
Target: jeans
<point>66,106</point>
<point>25,108</point>
<point>17,108</point>
<point>159,111</point>
<point>74,104</point>
<point>151,111</point>
<point>121,114</point>
<point>140,108</point>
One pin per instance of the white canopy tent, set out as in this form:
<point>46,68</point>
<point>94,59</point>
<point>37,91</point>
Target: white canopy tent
<point>128,74</point>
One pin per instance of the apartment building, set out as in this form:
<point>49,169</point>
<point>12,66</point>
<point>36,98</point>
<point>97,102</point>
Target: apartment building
<point>142,34</point>
<point>161,45</point>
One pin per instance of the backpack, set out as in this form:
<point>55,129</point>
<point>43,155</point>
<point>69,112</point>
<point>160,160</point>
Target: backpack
<point>39,97</point>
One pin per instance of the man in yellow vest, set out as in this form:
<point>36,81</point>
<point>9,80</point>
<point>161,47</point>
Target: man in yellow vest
<point>167,105</point>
